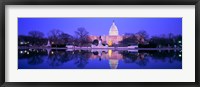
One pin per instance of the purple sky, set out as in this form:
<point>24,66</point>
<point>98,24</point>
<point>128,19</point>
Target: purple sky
<point>101,26</point>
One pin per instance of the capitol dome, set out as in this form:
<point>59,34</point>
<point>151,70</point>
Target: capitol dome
<point>113,29</point>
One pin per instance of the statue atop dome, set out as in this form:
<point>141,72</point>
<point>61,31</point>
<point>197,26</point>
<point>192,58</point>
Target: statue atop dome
<point>113,29</point>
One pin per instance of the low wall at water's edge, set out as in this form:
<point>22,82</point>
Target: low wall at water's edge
<point>115,48</point>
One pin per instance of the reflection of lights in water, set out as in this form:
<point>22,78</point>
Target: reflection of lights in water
<point>52,52</point>
<point>179,55</point>
<point>109,53</point>
<point>138,54</point>
<point>113,63</point>
<point>21,51</point>
<point>109,43</point>
<point>27,52</point>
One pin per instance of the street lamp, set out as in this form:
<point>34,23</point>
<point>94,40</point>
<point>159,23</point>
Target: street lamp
<point>21,52</point>
<point>179,41</point>
<point>21,42</point>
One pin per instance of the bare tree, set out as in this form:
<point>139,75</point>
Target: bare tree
<point>171,35</point>
<point>53,35</point>
<point>66,38</point>
<point>142,36</point>
<point>82,35</point>
<point>36,37</point>
<point>129,39</point>
<point>36,34</point>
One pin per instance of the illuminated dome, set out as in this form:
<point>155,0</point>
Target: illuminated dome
<point>113,29</point>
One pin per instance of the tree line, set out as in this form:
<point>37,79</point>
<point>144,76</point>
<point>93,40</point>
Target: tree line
<point>143,40</point>
<point>58,38</point>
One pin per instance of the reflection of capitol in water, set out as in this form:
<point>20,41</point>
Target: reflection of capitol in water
<point>112,56</point>
<point>98,59</point>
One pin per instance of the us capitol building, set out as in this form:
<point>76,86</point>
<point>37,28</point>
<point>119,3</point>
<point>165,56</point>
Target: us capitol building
<point>112,38</point>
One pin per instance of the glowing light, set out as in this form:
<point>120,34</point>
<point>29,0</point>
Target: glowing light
<point>179,55</point>
<point>109,43</point>
<point>21,52</point>
<point>52,42</point>
<point>179,41</point>
<point>27,52</point>
<point>21,42</point>
<point>52,52</point>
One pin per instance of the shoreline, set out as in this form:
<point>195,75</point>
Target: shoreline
<point>109,48</point>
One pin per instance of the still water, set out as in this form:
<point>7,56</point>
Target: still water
<point>98,59</point>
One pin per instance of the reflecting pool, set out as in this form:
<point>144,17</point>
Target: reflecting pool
<point>98,59</point>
